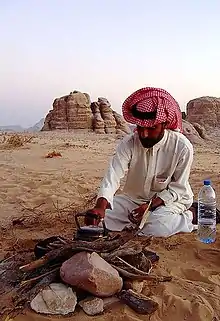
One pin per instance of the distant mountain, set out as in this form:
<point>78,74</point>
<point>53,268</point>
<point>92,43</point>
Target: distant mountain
<point>37,127</point>
<point>12,128</point>
<point>17,128</point>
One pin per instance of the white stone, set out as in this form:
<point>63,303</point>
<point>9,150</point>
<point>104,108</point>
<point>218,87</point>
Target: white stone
<point>57,298</point>
<point>134,285</point>
<point>92,305</point>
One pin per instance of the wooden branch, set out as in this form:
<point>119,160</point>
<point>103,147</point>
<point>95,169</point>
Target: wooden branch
<point>66,251</point>
<point>133,267</point>
<point>39,277</point>
<point>133,276</point>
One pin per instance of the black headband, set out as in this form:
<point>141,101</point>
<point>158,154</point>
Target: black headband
<point>143,115</point>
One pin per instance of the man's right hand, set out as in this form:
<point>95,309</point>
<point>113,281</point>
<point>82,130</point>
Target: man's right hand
<point>94,216</point>
<point>98,211</point>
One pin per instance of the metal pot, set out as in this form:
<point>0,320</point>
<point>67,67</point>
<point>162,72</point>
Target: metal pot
<point>90,232</point>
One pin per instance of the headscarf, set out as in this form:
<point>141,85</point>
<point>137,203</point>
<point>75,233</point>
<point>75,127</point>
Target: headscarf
<point>150,106</point>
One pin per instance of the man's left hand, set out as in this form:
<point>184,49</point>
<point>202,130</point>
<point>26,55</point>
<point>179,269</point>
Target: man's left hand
<point>136,215</point>
<point>156,202</point>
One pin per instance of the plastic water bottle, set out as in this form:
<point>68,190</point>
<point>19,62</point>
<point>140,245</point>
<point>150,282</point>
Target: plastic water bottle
<point>207,213</point>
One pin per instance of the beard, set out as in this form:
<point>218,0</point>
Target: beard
<point>150,142</point>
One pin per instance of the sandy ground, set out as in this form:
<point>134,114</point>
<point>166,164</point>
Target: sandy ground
<point>45,192</point>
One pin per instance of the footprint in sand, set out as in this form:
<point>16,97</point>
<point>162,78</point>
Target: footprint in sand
<point>209,255</point>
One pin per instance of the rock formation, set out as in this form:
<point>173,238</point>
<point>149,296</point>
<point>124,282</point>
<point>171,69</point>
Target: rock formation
<point>70,112</point>
<point>183,115</point>
<point>75,111</point>
<point>121,124</point>
<point>205,111</point>
<point>107,116</point>
<point>201,130</point>
<point>98,122</point>
<point>191,133</point>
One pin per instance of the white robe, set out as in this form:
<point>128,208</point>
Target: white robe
<point>162,170</point>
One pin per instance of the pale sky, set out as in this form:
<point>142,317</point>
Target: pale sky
<point>106,48</point>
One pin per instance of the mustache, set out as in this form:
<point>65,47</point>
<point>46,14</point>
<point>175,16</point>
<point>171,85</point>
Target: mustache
<point>149,142</point>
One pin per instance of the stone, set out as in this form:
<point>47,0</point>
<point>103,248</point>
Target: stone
<point>121,125</point>
<point>183,115</point>
<point>70,112</point>
<point>190,132</point>
<point>92,305</point>
<point>90,272</point>
<point>204,111</point>
<point>98,123</point>
<point>107,115</point>
<point>201,130</point>
<point>57,298</point>
<point>76,112</point>
<point>134,285</point>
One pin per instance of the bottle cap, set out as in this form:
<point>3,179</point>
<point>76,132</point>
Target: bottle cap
<point>207,182</point>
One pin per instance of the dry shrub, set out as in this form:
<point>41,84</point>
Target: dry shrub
<point>15,140</point>
<point>41,216</point>
<point>53,154</point>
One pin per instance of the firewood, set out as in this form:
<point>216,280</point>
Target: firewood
<point>66,251</point>
<point>25,282</point>
<point>133,276</point>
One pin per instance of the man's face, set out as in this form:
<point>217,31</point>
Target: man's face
<point>149,136</point>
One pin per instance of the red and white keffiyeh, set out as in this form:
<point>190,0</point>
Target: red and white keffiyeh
<point>152,99</point>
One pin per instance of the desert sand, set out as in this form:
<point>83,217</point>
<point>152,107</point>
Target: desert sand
<point>39,195</point>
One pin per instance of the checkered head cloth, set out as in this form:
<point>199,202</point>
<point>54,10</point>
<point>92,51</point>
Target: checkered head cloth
<point>150,106</point>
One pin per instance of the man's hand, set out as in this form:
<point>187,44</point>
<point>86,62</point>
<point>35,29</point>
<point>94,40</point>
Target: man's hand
<point>94,216</point>
<point>156,202</point>
<point>97,213</point>
<point>136,215</point>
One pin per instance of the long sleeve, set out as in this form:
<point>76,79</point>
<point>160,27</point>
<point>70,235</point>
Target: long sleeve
<point>179,188</point>
<point>117,168</point>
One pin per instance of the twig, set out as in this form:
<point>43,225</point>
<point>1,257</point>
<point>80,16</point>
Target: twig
<point>39,276</point>
<point>133,267</point>
<point>57,208</point>
<point>133,276</point>
<point>33,208</point>
<point>7,259</point>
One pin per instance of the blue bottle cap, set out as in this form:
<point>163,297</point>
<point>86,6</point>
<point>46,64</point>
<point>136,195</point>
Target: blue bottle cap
<point>207,182</point>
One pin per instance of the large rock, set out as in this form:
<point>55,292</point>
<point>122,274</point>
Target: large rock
<point>98,122</point>
<point>204,111</point>
<point>121,125</point>
<point>107,115</point>
<point>90,272</point>
<point>70,112</point>
<point>57,298</point>
<point>201,130</point>
<point>75,111</point>
<point>191,133</point>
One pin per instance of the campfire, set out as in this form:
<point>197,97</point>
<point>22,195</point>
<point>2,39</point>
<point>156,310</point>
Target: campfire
<point>114,265</point>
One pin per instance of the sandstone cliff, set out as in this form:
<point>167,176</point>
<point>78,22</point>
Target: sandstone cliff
<point>76,112</point>
<point>204,111</point>
<point>69,112</point>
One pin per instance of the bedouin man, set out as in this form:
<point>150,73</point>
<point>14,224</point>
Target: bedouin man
<point>157,159</point>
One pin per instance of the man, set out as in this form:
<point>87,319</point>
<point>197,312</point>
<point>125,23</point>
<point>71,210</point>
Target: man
<point>157,158</point>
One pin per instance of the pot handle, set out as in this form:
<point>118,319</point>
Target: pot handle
<point>105,231</point>
<point>83,215</point>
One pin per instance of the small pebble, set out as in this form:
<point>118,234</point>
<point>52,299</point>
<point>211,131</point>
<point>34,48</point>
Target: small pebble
<point>92,305</point>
